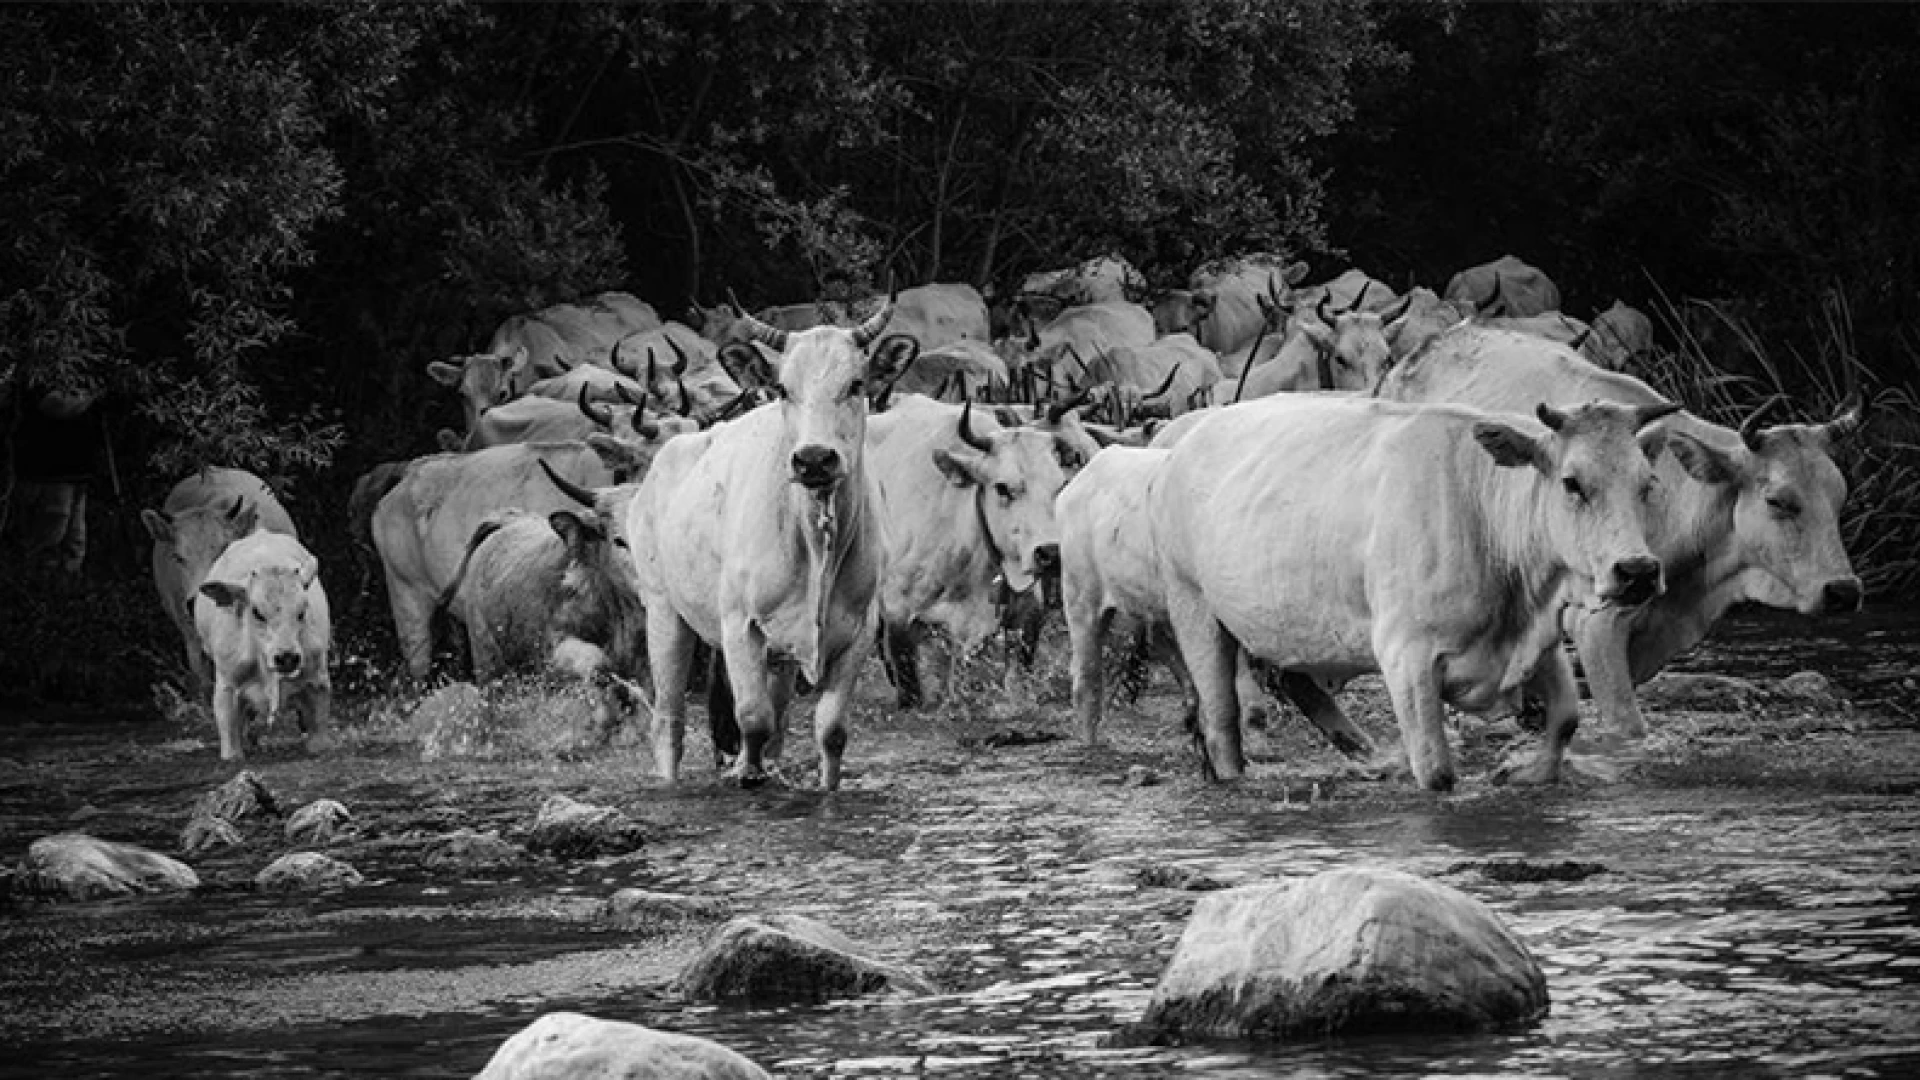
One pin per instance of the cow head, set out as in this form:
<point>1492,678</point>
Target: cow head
<point>822,377</point>
<point>272,607</point>
<point>190,540</point>
<point>1350,348</point>
<point>1015,475</point>
<point>1598,479</point>
<point>482,380</point>
<point>1787,494</point>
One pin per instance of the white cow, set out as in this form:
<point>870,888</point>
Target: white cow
<point>262,618</point>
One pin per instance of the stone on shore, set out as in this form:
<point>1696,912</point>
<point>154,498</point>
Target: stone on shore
<point>783,957</point>
<point>574,1046</point>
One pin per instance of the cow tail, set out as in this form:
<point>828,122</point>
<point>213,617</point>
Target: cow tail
<point>486,529</point>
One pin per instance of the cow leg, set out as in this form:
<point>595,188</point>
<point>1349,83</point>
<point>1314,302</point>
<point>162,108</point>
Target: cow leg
<point>1325,714</point>
<point>484,649</point>
<point>1246,685</point>
<point>900,659</point>
<point>1160,643</point>
<point>317,714</point>
<point>830,712</point>
<point>1086,635</point>
<point>1602,637</point>
<point>1210,654</point>
<point>413,624</point>
<point>723,723</point>
<point>782,673</point>
<point>1552,682</point>
<point>229,720</point>
<point>745,649</point>
<point>1412,675</point>
<point>669,651</point>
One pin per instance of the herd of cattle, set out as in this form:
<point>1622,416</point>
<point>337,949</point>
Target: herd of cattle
<point>1279,487</point>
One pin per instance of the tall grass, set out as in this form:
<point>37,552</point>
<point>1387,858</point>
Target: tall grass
<point>1725,363</point>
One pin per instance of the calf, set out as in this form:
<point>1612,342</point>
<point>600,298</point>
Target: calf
<point>202,514</point>
<point>262,617</point>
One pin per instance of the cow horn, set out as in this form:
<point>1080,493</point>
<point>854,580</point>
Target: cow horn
<point>1647,414</point>
<point>239,504</point>
<point>864,334</point>
<point>1320,308</point>
<point>1550,416</point>
<point>680,363</point>
<point>1580,339</point>
<point>1172,374</point>
<point>604,417</point>
<point>649,381</point>
<point>1495,299</point>
<point>966,430</point>
<point>1396,310</point>
<point>571,490</point>
<point>1361,298</point>
<point>1058,410</point>
<point>1750,427</point>
<point>1853,412</point>
<point>771,336</point>
<point>1033,331</point>
<point>626,395</point>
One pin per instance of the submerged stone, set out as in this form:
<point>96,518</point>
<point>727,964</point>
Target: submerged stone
<point>574,1046</point>
<point>469,851</point>
<point>238,799</point>
<point>784,957</point>
<point>641,909</point>
<point>302,870</point>
<point>1355,950</point>
<point>83,867</point>
<point>568,829</point>
<point>320,822</point>
<point>204,834</point>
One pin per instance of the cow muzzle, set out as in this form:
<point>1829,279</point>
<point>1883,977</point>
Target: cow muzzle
<point>1839,596</point>
<point>1635,580</point>
<point>816,467</point>
<point>286,663</point>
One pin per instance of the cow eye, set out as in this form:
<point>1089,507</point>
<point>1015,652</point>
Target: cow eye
<point>857,388</point>
<point>1005,492</point>
<point>621,544</point>
<point>259,616</point>
<point>1783,507</point>
<point>1574,489</point>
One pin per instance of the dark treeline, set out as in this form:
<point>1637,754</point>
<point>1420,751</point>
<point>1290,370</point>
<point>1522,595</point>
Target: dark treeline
<point>256,224</point>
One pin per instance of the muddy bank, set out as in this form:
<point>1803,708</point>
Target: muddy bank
<point>1744,898</point>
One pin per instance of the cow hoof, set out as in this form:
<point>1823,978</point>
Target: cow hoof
<point>752,781</point>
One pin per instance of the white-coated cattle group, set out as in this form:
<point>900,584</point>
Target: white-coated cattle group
<point>1294,485</point>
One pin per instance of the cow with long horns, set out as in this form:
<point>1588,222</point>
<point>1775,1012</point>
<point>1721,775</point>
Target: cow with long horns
<point>967,513</point>
<point>762,536</point>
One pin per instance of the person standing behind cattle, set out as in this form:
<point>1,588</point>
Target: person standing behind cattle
<point>202,515</point>
<point>57,441</point>
<point>262,618</point>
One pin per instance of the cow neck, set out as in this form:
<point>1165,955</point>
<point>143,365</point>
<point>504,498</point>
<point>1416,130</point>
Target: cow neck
<point>828,527</point>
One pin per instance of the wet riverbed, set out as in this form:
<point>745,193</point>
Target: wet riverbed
<point>1745,901</point>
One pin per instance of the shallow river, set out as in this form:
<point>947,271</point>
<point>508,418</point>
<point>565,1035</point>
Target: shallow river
<point>1746,902</point>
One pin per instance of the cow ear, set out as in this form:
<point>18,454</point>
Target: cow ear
<point>309,572</point>
<point>1067,454</point>
<point>159,525</point>
<point>568,526</point>
<point>1704,463</point>
<point>1294,274</point>
<point>617,454</point>
<point>1509,446</point>
<point>1007,417</point>
<point>960,471</point>
<point>225,593</point>
<point>243,518</point>
<point>449,441</point>
<point>444,373</point>
<point>893,354</point>
<point>750,364</point>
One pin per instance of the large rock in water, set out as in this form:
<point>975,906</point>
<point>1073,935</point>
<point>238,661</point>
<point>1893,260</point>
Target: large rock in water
<point>1357,950</point>
<point>783,957</point>
<point>572,1046</point>
<point>83,867</point>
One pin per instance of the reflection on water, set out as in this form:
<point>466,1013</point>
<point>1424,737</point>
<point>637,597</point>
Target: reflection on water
<point>1732,933</point>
